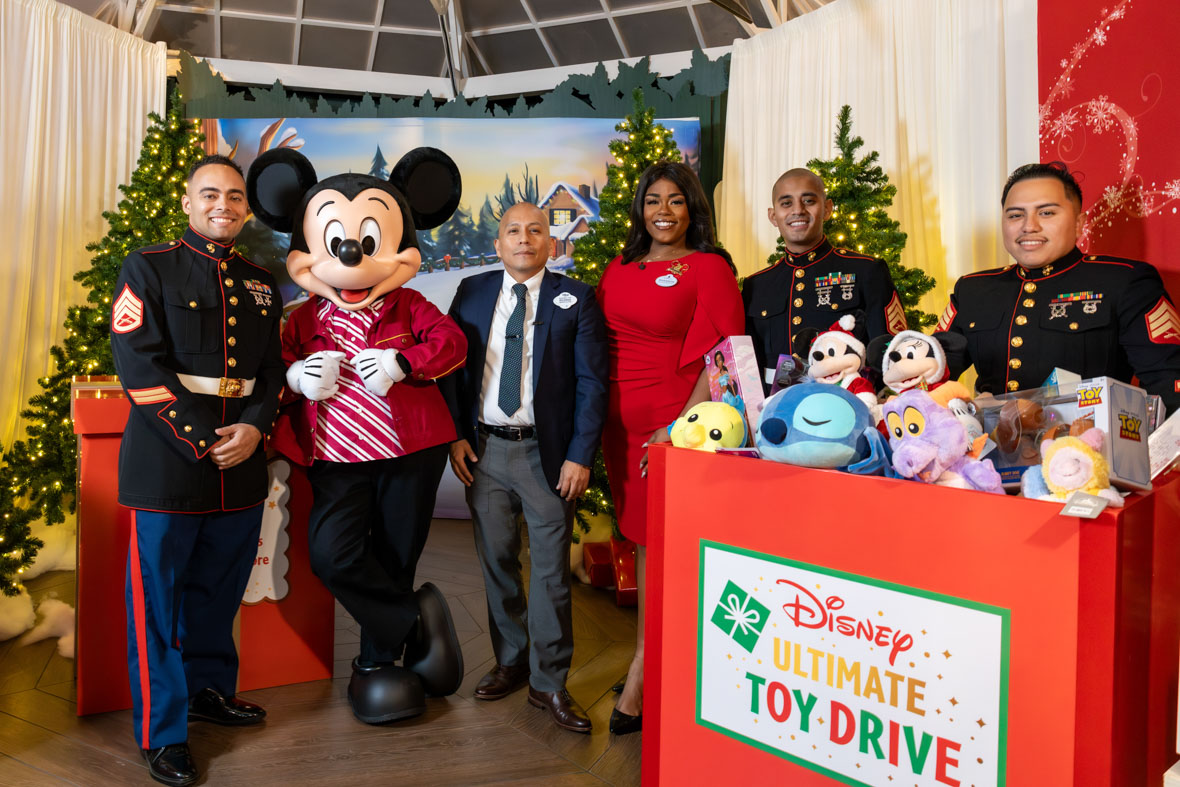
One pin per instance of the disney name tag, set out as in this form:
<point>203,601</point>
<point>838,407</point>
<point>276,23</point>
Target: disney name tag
<point>565,300</point>
<point>667,280</point>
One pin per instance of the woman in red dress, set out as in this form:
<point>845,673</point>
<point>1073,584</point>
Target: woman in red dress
<point>668,299</point>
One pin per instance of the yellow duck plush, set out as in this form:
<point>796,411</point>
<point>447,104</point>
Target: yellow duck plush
<point>709,426</point>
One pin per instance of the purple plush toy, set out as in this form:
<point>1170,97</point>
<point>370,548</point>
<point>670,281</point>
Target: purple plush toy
<point>930,444</point>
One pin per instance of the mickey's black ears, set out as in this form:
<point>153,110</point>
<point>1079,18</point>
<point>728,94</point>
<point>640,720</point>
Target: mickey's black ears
<point>431,184</point>
<point>875,353</point>
<point>276,185</point>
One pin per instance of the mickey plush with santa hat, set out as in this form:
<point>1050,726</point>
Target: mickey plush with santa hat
<point>837,357</point>
<point>363,412</point>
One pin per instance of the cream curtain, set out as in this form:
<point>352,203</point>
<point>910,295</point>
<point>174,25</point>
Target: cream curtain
<point>75,94</point>
<point>945,90</point>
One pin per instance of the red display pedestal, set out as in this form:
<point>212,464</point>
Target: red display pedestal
<point>1076,628</point>
<point>279,642</point>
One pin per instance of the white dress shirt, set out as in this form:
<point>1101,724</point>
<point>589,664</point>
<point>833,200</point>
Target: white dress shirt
<point>489,395</point>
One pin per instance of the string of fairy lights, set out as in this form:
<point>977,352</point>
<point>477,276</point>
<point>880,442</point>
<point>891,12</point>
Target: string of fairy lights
<point>39,473</point>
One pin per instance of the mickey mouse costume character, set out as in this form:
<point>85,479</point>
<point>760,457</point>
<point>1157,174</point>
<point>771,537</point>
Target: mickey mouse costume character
<point>364,412</point>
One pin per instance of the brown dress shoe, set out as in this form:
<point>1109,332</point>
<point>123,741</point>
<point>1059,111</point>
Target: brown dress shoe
<point>567,713</point>
<point>501,682</point>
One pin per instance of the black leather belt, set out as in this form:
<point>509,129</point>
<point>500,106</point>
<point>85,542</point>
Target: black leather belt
<point>515,433</point>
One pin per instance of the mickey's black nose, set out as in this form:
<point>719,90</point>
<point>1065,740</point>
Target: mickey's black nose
<point>349,252</point>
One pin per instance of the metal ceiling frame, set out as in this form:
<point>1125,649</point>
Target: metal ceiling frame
<point>461,40</point>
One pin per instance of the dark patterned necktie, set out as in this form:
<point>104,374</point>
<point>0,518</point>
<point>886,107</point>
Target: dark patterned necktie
<point>513,354</point>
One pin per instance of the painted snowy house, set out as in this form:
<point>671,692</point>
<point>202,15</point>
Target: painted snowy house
<point>570,211</point>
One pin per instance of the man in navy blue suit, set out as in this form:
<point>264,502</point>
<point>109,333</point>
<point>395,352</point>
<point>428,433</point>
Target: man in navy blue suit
<point>529,408</point>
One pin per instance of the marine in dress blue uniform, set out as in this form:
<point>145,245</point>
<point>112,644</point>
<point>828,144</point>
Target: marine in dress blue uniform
<point>814,283</point>
<point>195,339</point>
<point>1091,314</point>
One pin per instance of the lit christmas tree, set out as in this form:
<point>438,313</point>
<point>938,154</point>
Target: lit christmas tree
<point>645,142</point>
<point>861,193</point>
<point>39,472</point>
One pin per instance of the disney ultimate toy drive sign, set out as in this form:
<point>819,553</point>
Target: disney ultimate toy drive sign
<point>864,681</point>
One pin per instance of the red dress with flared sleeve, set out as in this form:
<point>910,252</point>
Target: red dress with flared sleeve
<point>660,322</point>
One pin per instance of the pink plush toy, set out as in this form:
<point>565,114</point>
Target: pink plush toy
<point>1074,464</point>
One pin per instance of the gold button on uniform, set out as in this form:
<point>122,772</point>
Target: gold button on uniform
<point>798,302</point>
<point>231,362</point>
<point>1030,287</point>
<point>232,321</point>
<point>231,341</point>
<point>233,300</point>
<point>799,286</point>
<point>171,413</point>
<point>1021,320</point>
<point>1029,303</point>
<point>972,324</point>
<point>201,443</point>
<point>229,282</point>
<point>835,306</point>
<point>1017,341</point>
<point>192,304</point>
<point>264,312</point>
<point>1012,385</point>
<point>1073,326</point>
<point>187,428</point>
<point>224,266</point>
<point>1014,363</point>
<point>796,320</point>
<point>798,273</point>
<point>763,314</point>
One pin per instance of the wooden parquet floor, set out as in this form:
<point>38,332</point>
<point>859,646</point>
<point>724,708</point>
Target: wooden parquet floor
<point>311,737</point>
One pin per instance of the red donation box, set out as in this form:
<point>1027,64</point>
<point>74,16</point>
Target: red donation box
<point>809,627</point>
<point>285,626</point>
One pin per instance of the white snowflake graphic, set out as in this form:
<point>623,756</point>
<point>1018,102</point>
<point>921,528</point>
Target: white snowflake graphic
<point>1100,36</point>
<point>1112,196</point>
<point>1063,124</point>
<point>1172,189</point>
<point>1100,114</point>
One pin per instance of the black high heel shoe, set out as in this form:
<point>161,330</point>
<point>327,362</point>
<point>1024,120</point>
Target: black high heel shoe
<point>624,723</point>
<point>618,687</point>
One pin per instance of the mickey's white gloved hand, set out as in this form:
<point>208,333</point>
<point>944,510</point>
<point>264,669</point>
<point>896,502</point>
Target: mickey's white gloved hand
<point>378,369</point>
<point>316,376</point>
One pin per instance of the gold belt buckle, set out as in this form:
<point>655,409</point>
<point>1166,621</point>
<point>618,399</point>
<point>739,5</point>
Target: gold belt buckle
<point>231,388</point>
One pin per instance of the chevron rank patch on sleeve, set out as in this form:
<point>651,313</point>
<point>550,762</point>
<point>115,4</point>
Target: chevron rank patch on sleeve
<point>1163,323</point>
<point>895,315</point>
<point>948,316</point>
<point>127,311</point>
<point>151,395</point>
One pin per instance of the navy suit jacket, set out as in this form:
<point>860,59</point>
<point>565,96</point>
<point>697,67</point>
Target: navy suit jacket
<point>569,369</point>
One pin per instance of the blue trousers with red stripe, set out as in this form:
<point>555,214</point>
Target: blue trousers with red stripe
<point>186,574</point>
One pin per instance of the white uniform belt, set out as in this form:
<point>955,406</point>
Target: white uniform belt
<point>227,387</point>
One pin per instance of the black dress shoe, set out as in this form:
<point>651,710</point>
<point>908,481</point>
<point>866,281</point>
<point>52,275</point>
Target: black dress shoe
<point>566,713</point>
<point>171,764</point>
<point>618,687</point>
<point>624,723</point>
<point>432,650</point>
<point>501,682</point>
<point>380,693</point>
<point>209,705</point>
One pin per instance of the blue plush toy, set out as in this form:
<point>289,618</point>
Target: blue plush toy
<point>819,425</point>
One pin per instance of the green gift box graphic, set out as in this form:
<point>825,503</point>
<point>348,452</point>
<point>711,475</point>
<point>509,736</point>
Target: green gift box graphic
<point>740,616</point>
